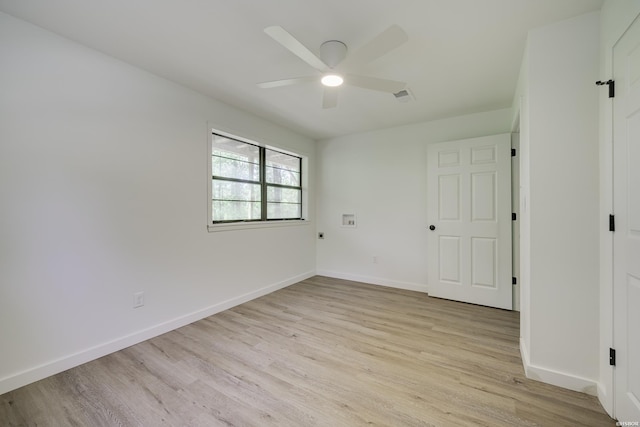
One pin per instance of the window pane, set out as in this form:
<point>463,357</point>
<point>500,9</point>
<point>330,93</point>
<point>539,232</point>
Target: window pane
<point>283,211</point>
<point>283,195</point>
<point>282,168</point>
<point>235,211</point>
<point>239,191</point>
<point>235,159</point>
<point>235,201</point>
<point>284,203</point>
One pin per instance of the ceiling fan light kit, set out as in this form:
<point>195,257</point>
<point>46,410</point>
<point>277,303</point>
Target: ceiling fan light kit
<point>334,53</point>
<point>332,80</point>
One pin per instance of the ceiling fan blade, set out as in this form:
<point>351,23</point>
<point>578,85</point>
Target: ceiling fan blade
<point>330,98</point>
<point>286,82</point>
<point>373,83</point>
<point>383,43</point>
<point>280,35</point>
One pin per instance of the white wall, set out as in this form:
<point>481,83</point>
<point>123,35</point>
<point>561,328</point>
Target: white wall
<point>103,189</point>
<point>559,204</point>
<point>381,177</point>
<point>616,16</point>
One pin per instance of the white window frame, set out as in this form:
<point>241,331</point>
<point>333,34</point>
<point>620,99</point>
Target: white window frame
<point>215,227</point>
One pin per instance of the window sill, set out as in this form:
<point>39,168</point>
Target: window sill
<point>213,228</point>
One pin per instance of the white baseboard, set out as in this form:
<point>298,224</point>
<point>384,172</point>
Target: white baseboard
<point>524,354</point>
<point>557,378</point>
<point>605,400</point>
<point>375,281</point>
<point>53,367</point>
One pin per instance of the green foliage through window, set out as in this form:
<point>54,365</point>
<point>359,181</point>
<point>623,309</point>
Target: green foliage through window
<point>253,183</point>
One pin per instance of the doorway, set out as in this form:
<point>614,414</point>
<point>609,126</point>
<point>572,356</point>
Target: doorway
<point>469,213</point>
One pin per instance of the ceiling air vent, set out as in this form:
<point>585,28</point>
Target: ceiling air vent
<point>403,96</point>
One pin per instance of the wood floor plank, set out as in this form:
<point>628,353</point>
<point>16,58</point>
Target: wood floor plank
<point>322,352</point>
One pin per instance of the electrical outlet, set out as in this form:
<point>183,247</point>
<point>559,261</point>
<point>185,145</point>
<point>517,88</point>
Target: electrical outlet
<point>138,299</point>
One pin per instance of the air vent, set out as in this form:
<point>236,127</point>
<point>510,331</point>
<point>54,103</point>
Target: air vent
<point>403,96</point>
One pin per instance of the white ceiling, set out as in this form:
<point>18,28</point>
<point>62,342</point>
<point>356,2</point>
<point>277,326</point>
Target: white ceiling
<point>462,56</point>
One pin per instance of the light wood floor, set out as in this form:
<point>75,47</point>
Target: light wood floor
<point>323,352</point>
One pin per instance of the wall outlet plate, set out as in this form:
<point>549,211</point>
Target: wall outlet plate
<point>138,299</point>
<point>348,220</point>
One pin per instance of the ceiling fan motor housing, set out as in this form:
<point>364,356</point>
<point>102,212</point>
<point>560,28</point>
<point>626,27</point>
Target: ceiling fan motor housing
<point>333,52</point>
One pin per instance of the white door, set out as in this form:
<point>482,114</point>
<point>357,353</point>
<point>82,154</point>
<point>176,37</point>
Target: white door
<point>626,238</point>
<point>469,214</point>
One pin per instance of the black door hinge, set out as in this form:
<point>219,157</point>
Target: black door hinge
<point>612,357</point>
<point>612,223</point>
<point>513,152</point>
<point>514,281</point>
<point>612,87</point>
<point>513,216</point>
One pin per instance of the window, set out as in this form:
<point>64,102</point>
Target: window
<point>253,183</point>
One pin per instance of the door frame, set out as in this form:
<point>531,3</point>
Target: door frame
<point>515,224</point>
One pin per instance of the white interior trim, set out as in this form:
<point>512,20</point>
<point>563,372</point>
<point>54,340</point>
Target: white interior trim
<point>408,286</point>
<point>560,379</point>
<point>256,224</point>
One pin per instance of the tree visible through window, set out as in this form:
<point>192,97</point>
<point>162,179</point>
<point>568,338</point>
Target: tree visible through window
<point>253,183</point>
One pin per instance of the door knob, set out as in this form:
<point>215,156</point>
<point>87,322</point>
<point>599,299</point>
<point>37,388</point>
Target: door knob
<point>432,227</point>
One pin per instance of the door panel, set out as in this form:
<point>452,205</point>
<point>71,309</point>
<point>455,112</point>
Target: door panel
<point>480,155</point>
<point>484,259</point>
<point>469,205</point>
<point>483,196</point>
<point>450,259</point>
<point>449,196</point>
<point>626,238</point>
<point>448,158</point>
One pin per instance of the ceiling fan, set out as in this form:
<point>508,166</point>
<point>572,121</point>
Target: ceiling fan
<point>333,53</point>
